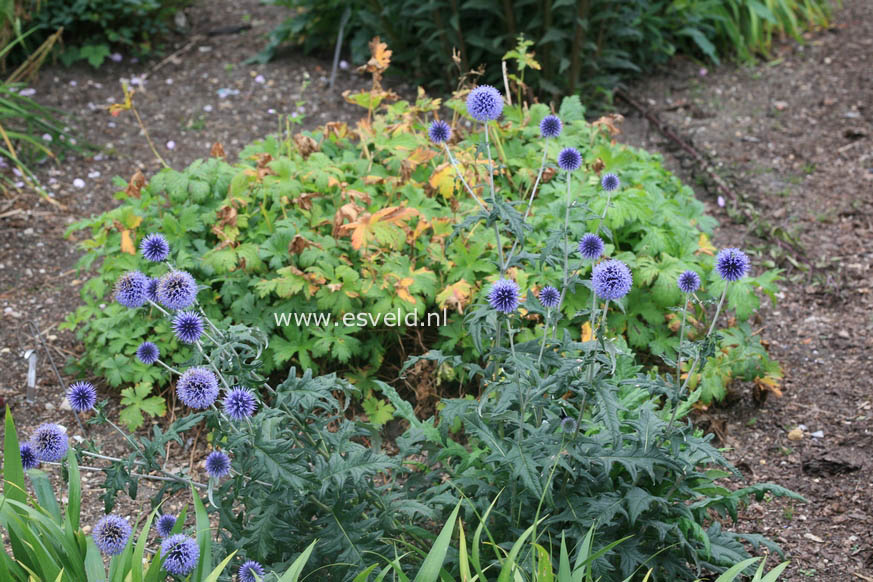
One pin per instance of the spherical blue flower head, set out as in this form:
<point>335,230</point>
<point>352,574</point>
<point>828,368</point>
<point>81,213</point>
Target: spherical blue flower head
<point>152,290</point>
<point>611,279</point>
<point>569,159</point>
<point>187,326</point>
<point>148,353</point>
<point>688,282</point>
<point>130,290</point>
<point>484,103</point>
<point>111,534</point>
<point>217,465</point>
<point>591,246</point>
<point>180,554</point>
<point>240,403</point>
<point>165,524</point>
<point>610,182</point>
<point>568,424</point>
<point>177,290</point>
<point>504,296</point>
<point>549,297</point>
<point>439,132</point>
<point>248,570</point>
<point>551,126</point>
<point>732,264</point>
<point>49,442</point>
<point>155,247</point>
<point>197,388</point>
<point>28,456</point>
<point>82,396</point>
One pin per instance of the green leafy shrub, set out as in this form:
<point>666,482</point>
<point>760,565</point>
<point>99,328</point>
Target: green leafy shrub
<point>93,29</point>
<point>341,221</point>
<point>584,46</point>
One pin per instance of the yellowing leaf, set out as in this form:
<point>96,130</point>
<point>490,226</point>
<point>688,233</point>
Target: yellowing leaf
<point>443,180</point>
<point>455,296</point>
<point>402,288</point>
<point>587,333</point>
<point>704,246</point>
<point>127,245</point>
<point>379,226</point>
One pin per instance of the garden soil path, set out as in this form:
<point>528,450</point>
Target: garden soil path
<point>793,139</point>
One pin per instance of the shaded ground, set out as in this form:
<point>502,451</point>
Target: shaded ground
<point>793,138</point>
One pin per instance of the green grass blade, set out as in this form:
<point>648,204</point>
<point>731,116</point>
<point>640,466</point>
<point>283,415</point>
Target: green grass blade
<point>139,549</point>
<point>509,564</point>
<point>463,558</point>
<point>213,576</point>
<point>74,491</point>
<point>731,573</point>
<point>430,569</point>
<point>94,569</point>
<point>13,473</point>
<point>294,570</point>
<point>204,537</point>
<point>45,495</point>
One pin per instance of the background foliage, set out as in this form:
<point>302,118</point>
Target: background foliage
<point>583,45</point>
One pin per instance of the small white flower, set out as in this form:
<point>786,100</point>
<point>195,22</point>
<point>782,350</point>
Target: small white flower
<point>116,57</point>
<point>169,81</point>
<point>207,108</point>
<point>271,111</point>
<point>27,92</point>
<point>260,80</point>
<point>79,183</point>
<point>46,137</point>
<point>343,65</point>
<point>171,145</point>
<point>94,174</point>
<point>720,201</point>
<point>73,83</point>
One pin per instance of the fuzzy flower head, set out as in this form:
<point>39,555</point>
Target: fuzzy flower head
<point>180,554</point>
<point>484,103</point>
<point>82,396</point>
<point>187,326</point>
<point>248,571</point>
<point>504,296</point>
<point>611,279</point>
<point>197,388</point>
<point>568,425</point>
<point>177,290</point>
<point>732,264</point>
<point>130,290</point>
<point>439,132</point>
<point>152,290</point>
<point>217,465</point>
<point>28,456</point>
<point>610,182</point>
<point>148,353</point>
<point>551,126</point>
<point>688,282</point>
<point>165,524</point>
<point>569,159</point>
<point>49,442</point>
<point>111,534</point>
<point>549,297</point>
<point>591,246</point>
<point>155,247</point>
<point>240,403</point>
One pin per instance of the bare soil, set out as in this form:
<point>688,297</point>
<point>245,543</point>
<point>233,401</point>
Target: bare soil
<point>792,138</point>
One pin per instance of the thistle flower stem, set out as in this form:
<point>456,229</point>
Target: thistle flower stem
<point>212,364</point>
<point>173,370</point>
<point>530,199</point>
<point>217,331</point>
<point>603,214</point>
<point>461,177</point>
<point>169,477</point>
<point>161,309</point>
<point>545,335</point>
<point>494,198</point>
<point>679,349</point>
<point>566,253</point>
<point>696,359</point>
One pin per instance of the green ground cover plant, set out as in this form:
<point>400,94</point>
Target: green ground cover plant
<point>364,220</point>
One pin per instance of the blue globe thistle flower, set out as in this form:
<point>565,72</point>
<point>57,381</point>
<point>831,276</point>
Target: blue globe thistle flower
<point>49,442</point>
<point>197,388</point>
<point>82,396</point>
<point>180,554</point>
<point>569,159</point>
<point>188,326</point>
<point>217,465</point>
<point>688,282</point>
<point>568,424</point>
<point>504,296</point>
<point>152,290</point>
<point>130,290</point>
<point>148,353</point>
<point>248,571</point>
<point>28,456</point>
<point>549,297</point>
<point>611,279</point>
<point>732,264</point>
<point>155,247</point>
<point>111,534</point>
<point>165,524</point>
<point>240,403</point>
<point>177,290</point>
<point>551,126</point>
<point>439,132</point>
<point>610,182</point>
<point>591,246</point>
<point>484,103</point>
